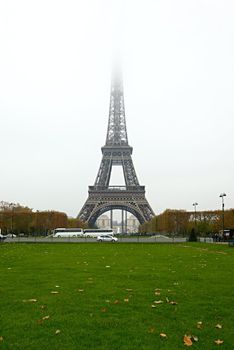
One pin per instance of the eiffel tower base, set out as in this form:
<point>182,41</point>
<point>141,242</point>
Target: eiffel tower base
<point>131,200</point>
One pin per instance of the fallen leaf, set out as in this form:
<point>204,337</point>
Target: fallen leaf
<point>1,338</point>
<point>30,301</point>
<point>54,292</point>
<point>57,286</point>
<point>157,293</point>
<point>153,305</point>
<point>219,326</point>
<point>45,317</point>
<point>43,307</point>
<point>187,340</point>
<point>173,303</point>
<point>194,338</point>
<point>126,300</point>
<point>57,331</point>
<point>104,309</point>
<point>80,290</point>
<point>107,266</point>
<point>116,302</point>
<point>163,335</point>
<point>167,300</point>
<point>128,289</point>
<point>199,325</point>
<point>218,342</point>
<point>158,301</point>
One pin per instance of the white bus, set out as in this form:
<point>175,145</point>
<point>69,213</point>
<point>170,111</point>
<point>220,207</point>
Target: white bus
<point>98,232</point>
<point>68,232</point>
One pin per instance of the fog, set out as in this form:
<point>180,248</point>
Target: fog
<point>177,59</point>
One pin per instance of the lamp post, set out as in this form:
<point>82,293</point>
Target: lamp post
<point>12,218</point>
<point>222,195</point>
<point>195,213</point>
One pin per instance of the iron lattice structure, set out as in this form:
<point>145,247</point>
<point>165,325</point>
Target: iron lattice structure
<point>103,197</point>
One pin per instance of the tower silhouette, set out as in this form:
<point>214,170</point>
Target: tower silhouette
<point>116,152</point>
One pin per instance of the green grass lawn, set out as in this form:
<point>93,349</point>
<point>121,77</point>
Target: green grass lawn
<point>105,294</point>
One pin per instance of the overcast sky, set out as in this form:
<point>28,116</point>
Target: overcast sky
<point>55,70</point>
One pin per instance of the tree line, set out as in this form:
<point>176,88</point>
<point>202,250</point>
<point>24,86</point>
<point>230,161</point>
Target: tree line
<point>18,219</point>
<point>182,222</point>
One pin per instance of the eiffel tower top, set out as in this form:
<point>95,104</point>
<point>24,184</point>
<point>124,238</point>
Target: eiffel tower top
<point>117,131</point>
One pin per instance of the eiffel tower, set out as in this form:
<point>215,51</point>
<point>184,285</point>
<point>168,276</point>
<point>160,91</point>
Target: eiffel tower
<point>103,197</point>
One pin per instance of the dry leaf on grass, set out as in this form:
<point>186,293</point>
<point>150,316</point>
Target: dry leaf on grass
<point>126,300</point>
<point>57,331</point>
<point>54,292</point>
<point>80,290</point>
<point>173,303</point>
<point>153,305</point>
<point>158,301</point>
<point>45,317</point>
<point>104,309</point>
<point>219,326</point>
<point>218,342</point>
<point>116,302</point>
<point>30,301</point>
<point>199,325</point>
<point>195,338</point>
<point>128,289</point>
<point>1,338</point>
<point>157,293</point>
<point>187,340</point>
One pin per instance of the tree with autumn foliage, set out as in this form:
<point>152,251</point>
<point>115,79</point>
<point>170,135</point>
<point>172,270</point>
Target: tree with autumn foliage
<point>76,223</point>
<point>15,218</point>
<point>181,222</point>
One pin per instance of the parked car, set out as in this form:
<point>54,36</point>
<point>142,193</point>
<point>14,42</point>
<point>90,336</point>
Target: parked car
<point>10,235</point>
<point>107,238</point>
<point>2,237</point>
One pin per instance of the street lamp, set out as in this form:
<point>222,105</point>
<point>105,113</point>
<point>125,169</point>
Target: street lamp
<point>222,195</point>
<point>11,205</point>
<point>195,212</point>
